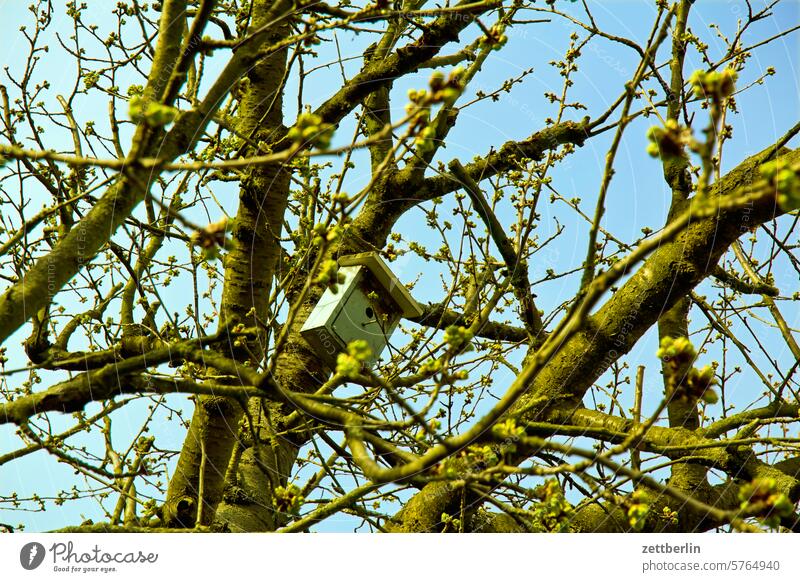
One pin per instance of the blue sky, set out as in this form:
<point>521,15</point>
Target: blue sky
<point>638,197</point>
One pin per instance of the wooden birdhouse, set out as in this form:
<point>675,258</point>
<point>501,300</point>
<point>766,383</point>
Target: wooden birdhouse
<point>367,306</point>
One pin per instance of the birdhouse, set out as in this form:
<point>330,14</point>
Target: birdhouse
<point>367,306</point>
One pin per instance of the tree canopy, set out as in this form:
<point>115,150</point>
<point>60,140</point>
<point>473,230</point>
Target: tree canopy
<point>590,207</point>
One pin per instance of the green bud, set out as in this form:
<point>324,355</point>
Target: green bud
<point>347,366</point>
<point>152,113</point>
<point>329,275</point>
<point>287,499</point>
<point>457,337</point>
<point>310,130</point>
<point>668,142</point>
<point>784,178</point>
<point>351,364</point>
<point>360,350</point>
<point>716,85</point>
<point>90,79</point>
<point>436,82</point>
<point>680,347</point>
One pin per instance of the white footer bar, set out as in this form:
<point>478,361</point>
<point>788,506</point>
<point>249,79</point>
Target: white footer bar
<point>389,558</point>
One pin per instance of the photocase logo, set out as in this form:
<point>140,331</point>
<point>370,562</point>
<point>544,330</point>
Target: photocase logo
<point>31,555</point>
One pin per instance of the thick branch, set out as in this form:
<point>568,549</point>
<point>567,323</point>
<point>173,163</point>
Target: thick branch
<point>406,59</point>
<point>517,266</point>
<point>495,162</point>
<point>439,316</point>
<point>669,274</point>
<point>124,378</point>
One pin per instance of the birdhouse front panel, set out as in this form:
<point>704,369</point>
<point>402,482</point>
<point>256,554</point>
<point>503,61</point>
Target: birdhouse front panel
<point>356,310</point>
<point>367,306</point>
<point>365,316</point>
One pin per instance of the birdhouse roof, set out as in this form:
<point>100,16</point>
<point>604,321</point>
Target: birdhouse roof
<point>391,284</point>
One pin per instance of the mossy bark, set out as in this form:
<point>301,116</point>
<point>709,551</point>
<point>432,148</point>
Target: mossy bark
<point>687,477</point>
<point>249,269</point>
<point>659,284</point>
<point>249,506</point>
